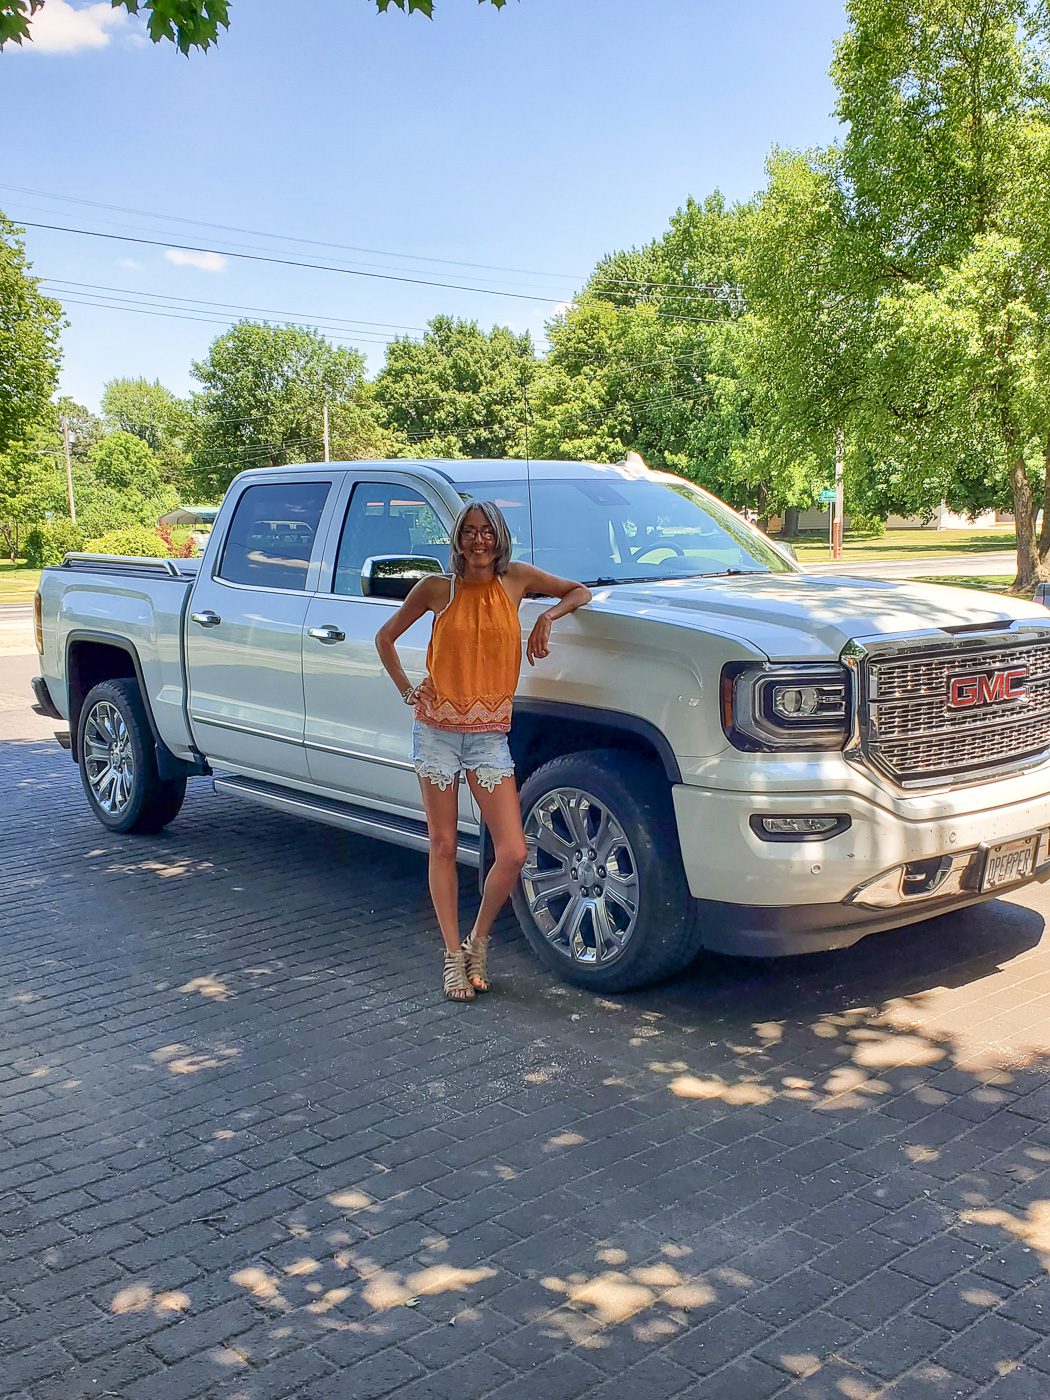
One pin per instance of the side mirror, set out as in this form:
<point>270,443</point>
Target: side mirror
<point>1042,594</point>
<point>395,575</point>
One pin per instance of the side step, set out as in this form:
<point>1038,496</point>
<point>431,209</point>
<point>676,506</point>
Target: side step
<point>401,831</point>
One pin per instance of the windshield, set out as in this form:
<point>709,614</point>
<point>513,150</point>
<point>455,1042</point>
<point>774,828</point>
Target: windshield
<point>623,531</point>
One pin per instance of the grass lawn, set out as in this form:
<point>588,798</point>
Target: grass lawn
<point>992,583</point>
<point>906,544</point>
<point>17,583</point>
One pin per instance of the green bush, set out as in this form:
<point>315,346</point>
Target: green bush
<point>861,523</point>
<point>133,539</point>
<point>50,543</point>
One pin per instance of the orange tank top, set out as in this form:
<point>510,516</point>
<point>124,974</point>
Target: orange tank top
<point>473,660</point>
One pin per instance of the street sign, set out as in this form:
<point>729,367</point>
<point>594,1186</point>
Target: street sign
<point>827,495</point>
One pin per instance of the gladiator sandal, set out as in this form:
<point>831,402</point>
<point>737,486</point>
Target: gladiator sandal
<point>454,977</point>
<point>476,951</point>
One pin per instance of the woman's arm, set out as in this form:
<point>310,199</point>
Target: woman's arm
<point>570,596</point>
<point>425,597</point>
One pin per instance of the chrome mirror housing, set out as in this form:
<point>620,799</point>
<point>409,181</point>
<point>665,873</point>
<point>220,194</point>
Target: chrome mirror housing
<point>395,575</point>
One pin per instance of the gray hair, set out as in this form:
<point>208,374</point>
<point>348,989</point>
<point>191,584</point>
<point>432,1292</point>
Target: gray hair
<point>504,544</point>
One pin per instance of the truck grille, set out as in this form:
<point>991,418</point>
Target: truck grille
<point>914,735</point>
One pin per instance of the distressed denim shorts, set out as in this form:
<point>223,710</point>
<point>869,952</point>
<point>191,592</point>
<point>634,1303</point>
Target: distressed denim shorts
<point>440,756</point>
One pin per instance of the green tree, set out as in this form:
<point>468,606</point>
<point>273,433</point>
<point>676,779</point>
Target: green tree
<point>459,392</point>
<point>191,24</point>
<point>262,400</point>
<point>156,415</point>
<point>84,428</point>
<point>29,352</point>
<point>31,486</point>
<point>901,281</point>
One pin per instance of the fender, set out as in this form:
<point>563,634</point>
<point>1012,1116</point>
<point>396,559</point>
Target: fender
<point>559,710</point>
<point>168,764</point>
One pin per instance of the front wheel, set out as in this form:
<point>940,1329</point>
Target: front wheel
<point>603,899</point>
<point>118,761</point>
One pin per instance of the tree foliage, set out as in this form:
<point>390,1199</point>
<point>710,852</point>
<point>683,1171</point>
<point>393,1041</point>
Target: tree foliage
<point>459,392</point>
<point>29,352</point>
<point>154,414</point>
<point>264,390</point>
<point>189,24</point>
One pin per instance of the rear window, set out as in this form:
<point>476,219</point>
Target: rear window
<point>272,534</point>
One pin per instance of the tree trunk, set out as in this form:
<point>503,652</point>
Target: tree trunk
<point>1030,568</point>
<point>1044,533</point>
<point>761,506</point>
<point>790,522</point>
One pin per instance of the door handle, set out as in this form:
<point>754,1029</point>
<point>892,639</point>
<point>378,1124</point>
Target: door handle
<point>328,633</point>
<point>206,618</point>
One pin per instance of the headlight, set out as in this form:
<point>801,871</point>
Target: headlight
<point>786,707</point>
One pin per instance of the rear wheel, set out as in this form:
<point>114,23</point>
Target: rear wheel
<point>118,761</point>
<point>603,899</point>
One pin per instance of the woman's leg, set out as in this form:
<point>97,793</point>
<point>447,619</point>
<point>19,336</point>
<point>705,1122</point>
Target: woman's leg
<point>502,812</point>
<point>442,809</point>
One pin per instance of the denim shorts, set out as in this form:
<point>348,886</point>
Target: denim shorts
<point>440,756</point>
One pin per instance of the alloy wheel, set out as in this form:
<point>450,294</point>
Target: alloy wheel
<point>109,760</point>
<point>580,877</point>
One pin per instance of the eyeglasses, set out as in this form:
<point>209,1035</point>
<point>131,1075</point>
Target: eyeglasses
<point>469,533</point>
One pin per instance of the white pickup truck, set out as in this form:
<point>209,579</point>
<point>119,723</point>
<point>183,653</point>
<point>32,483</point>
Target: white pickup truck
<point>721,751</point>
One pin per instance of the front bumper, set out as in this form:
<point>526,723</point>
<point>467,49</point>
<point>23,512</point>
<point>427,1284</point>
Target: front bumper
<point>891,866</point>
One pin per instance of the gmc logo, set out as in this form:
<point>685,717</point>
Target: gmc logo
<point>987,688</point>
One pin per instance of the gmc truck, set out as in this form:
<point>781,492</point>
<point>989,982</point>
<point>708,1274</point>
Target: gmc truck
<point>720,752</point>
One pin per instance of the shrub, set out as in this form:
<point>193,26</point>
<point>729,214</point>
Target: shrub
<point>863,523</point>
<point>133,539</point>
<point>179,542</point>
<point>50,543</point>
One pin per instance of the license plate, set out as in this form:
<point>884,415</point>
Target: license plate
<point>1009,862</point>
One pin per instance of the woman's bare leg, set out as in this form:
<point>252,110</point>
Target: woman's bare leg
<point>502,812</point>
<point>442,809</point>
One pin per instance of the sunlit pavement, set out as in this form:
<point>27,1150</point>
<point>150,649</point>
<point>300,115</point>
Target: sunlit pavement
<point>247,1151</point>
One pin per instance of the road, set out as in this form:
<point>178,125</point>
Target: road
<point>942,566</point>
<point>248,1152</point>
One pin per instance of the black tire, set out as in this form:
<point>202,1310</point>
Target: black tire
<point>141,801</point>
<point>665,932</point>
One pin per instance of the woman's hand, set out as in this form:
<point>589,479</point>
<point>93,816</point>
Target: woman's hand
<point>539,644</point>
<point>426,694</point>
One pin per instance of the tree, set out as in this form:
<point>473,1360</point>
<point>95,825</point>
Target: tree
<point>264,390</point>
<point>31,486</point>
<point>899,282</point>
<point>459,392</point>
<point>84,428</point>
<point>191,24</point>
<point>29,353</point>
<point>154,414</point>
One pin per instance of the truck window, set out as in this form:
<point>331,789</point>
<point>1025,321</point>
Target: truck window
<point>383,518</point>
<point>272,533</point>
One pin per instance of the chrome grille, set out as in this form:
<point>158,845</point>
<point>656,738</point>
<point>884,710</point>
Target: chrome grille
<point>912,735</point>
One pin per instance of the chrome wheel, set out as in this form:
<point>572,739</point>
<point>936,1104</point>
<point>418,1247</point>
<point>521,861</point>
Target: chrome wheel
<point>109,760</point>
<point>580,877</point>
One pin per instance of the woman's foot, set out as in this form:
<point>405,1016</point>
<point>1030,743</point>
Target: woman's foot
<point>454,981</point>
<point>476,953</point>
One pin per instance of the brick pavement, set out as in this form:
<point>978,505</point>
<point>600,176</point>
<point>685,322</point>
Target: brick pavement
<point>248,1153</point>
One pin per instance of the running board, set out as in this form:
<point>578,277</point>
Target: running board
<point>401,831</point>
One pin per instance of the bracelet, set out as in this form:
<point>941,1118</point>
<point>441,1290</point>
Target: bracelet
<point>411,695</point>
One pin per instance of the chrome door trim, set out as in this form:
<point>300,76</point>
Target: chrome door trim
<point>357,753</point>
<point>254,730</point>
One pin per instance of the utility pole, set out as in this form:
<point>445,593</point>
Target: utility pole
<point>69,469</point>
<point>840,462</point>
<point>327,444</point>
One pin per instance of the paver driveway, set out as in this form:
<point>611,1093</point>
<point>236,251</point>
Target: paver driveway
<point>247,1152</point>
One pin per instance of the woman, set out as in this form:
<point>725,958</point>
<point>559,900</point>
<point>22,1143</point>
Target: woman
<point>463,711</point>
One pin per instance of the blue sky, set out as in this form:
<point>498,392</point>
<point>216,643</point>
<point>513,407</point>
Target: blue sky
<point>535,139</point>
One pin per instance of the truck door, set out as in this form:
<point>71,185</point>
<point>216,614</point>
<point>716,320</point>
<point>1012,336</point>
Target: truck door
<point>358,731</point>
<point>245,629</point>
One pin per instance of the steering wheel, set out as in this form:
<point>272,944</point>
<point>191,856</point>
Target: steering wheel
<point>644,549</point>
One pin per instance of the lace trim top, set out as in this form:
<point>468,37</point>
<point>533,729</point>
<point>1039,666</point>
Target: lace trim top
<point>473,660</point>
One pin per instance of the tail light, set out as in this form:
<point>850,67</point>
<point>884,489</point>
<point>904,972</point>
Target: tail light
<point>38,624</point>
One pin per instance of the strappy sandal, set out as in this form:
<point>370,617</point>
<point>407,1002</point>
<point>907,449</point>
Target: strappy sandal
<point>476,954</point>
<point>454,977</point>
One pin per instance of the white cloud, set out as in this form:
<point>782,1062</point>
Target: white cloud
<point>207,262</point>
<point>132,264</point>
<point>562,308</point>
<point>63,28</point>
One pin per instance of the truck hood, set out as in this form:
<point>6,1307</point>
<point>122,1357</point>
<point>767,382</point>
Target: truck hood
<point>797,616</point>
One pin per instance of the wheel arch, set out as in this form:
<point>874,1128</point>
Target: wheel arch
<point>92,657</point>
<point>546,729</point>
